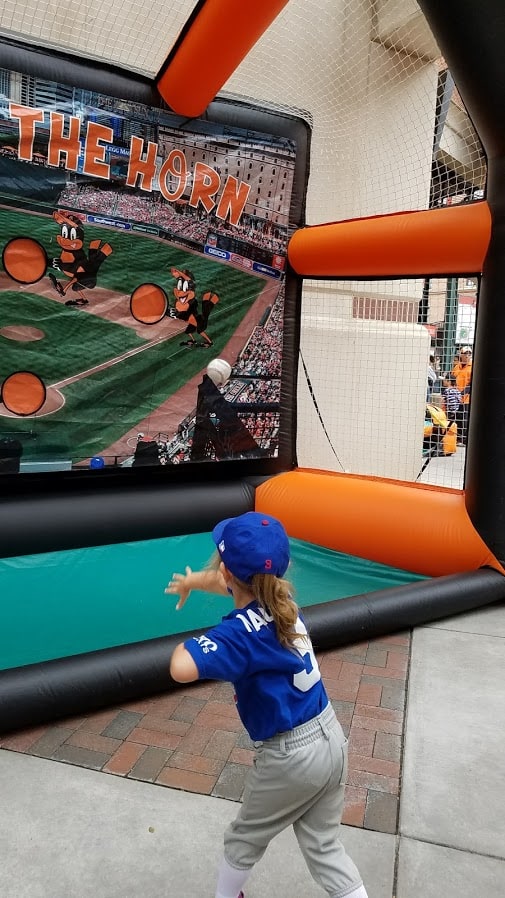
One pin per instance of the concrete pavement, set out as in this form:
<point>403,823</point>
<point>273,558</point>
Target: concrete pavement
<point>452,818</point>
<point>75,833</point>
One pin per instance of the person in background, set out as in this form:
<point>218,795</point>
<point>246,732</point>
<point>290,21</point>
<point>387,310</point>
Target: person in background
<point>432,377</point>
<point>262,647</point>
<point>451,397</point>
<point>462,372</point>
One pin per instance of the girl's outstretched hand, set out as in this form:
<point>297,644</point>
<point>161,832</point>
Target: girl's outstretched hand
<point>180,585</point>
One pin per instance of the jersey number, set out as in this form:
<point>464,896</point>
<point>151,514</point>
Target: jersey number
<point>306,679</point>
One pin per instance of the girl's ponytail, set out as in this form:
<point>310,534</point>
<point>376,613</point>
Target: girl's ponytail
<point>274,594</point>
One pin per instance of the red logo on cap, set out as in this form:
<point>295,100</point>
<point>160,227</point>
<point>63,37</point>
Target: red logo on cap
<point>268,564</point>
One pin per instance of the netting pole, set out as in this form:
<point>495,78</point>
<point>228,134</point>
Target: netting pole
<point>450,324</point>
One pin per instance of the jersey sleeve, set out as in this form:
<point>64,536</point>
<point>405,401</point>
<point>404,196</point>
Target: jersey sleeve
<point>221,653</point>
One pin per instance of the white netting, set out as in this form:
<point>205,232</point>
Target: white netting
<point>365,402</point>
<point>136,36</point>
<point>390,133</point>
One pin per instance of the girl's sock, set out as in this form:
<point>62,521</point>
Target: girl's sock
<point>358,893</point>
<point>230,880</point>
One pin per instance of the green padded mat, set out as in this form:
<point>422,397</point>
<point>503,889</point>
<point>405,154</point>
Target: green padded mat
<point>56,604</point>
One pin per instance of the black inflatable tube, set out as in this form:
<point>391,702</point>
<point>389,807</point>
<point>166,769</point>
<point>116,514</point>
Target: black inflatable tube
<point>33,524</point>
<point>39,693</point>
<point>458,25</point>
<point>375,614</point>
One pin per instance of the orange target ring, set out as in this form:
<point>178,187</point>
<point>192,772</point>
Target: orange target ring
<point>24,260</point>
<point>148,303</point>
<point>23,393</point>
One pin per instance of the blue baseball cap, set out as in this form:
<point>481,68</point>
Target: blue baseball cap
<point>252,543</point>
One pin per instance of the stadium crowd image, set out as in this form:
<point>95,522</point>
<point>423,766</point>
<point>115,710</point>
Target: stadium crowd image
<point>320,238</point>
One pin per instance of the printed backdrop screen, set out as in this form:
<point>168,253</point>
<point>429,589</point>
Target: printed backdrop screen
<point>142,283</point>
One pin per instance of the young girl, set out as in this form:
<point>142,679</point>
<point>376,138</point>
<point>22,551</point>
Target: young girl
<point>262,647</point>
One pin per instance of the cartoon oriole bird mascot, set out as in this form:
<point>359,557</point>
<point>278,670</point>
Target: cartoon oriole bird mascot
<point>187,309</point>
<point>80,267</point>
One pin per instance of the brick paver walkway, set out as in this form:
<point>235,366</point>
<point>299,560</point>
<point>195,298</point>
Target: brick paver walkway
<point>192,738</point>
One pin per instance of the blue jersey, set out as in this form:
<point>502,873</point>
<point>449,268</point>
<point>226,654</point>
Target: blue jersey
<point>276,688</point>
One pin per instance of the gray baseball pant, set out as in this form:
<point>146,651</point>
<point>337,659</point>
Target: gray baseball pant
<point>298,780</point>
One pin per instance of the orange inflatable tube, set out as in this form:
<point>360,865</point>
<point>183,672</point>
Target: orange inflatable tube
<point>449,241</point>
<point>417,528</point>
<point>220,36</point>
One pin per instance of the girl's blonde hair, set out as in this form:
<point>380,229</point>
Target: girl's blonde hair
<point>275,595</point>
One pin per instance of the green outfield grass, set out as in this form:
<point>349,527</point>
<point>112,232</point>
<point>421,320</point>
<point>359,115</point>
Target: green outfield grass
<point>72,343</point>
<point>135,257</point>
<point>100,408</point>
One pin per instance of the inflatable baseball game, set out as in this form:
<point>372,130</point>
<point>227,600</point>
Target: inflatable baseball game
<point>164,268</point>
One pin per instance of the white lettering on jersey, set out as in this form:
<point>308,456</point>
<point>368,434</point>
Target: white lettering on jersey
<point>207,645</point>
<point>245,622</point>
<point>311,675</point>
<point>257,621</point>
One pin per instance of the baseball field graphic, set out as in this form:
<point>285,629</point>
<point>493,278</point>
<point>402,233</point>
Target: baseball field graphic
<point>125,271</point>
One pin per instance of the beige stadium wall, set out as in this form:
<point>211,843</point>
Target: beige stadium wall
<point>363,376</point>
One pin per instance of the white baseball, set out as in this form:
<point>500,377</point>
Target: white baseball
<point>219,371</point>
